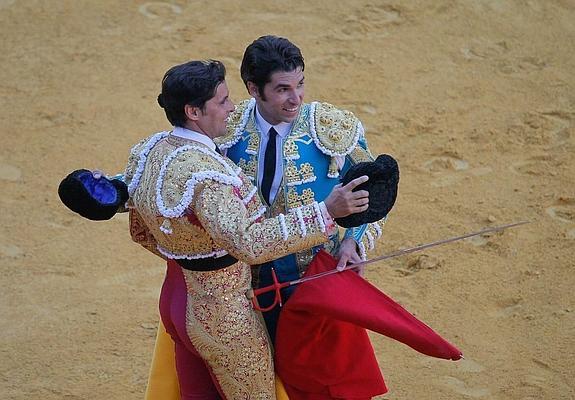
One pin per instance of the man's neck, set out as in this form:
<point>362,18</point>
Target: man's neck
<point>194,135</point>
<point>282,128</point>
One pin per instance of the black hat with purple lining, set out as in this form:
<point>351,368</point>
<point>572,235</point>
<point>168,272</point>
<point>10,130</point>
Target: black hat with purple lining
<point>92,195</point>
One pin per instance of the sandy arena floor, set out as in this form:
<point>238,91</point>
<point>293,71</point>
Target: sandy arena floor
<point>475,99</point>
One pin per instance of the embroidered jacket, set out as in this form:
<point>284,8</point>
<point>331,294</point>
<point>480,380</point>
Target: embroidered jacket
<point>323,143</point>
<point>189,202</point>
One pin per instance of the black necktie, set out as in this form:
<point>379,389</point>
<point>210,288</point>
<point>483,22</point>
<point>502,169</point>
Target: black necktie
<point>269,165</point>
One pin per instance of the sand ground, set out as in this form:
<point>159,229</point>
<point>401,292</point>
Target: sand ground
<point>475,99</point>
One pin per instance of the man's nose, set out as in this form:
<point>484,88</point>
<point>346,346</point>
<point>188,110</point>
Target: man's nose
<point>294,97</point>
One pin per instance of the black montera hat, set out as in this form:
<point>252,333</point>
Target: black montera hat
<point>383,176</point>
<point>93,198</point>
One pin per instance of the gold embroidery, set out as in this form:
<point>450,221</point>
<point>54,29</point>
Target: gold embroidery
<point>222,212</point>
<point>333,171</point>
<point>141,234</point>
<point>307,174</point>
<point>253,144</point>
<point>291,173</point>
<point>279,204</point>
<point>303,259</point>
<point>227,333</point>
<point>307,196</point>
<point>335,129</point>
<point>234,121</point>
<point>186,238</point>
<point>359,154</point>
<point>248,166</point>
<point>291,151</point>
<point>293,198</point>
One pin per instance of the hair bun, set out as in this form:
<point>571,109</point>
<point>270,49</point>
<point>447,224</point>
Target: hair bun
<point>161,100</point>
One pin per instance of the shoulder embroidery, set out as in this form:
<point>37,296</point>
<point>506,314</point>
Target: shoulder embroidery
<point>236,124</point>
<point>334,131</point>
<point>138,155</point>
<point>225,174</point>
<point>359,154</point>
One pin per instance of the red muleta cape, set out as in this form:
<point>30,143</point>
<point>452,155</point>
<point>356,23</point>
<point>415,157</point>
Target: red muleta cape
<point>322,348</point>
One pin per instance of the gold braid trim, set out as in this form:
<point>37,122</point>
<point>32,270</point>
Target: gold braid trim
<point>236,124</point>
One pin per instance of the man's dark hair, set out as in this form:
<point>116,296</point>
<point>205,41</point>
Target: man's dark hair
<point>266,55</point>
<point>193,83</point>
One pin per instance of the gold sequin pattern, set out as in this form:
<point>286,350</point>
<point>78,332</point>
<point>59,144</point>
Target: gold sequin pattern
<point>141,234</point>
<point>359,154</point>
<point>336,129</point>
<point>291,151</point>
<point>249,166</point>
<point>224,217</point>
<point>228,334</point>
<point>306,171</point>
<point>253,204</point>
<point>295,176</point>
<point>186,238</point>
<point>234,121</point>
<point>253,144</point>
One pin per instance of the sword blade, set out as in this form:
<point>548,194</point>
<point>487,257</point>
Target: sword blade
<point>409,251</point>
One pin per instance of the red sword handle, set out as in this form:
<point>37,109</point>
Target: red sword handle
<point>276,286</point>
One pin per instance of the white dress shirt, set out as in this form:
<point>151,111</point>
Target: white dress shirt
<point>283,129</point>
<point>195,136</point>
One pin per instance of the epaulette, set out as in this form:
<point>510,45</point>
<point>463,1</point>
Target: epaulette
<point>335,132</point>
<point>173,196</point>
<point>236,124</point>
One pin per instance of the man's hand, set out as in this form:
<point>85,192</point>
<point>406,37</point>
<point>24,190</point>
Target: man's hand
<point>347,253</point>
<point>343,201</point>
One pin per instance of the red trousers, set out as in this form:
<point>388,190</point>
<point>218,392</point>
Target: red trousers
<point>195,378</point>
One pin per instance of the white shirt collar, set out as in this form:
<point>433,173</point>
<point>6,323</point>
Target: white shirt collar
<point>282,128</point>
<point>193,135</point>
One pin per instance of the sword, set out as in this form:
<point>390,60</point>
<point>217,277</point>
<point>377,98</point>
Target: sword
<point>277,286</point>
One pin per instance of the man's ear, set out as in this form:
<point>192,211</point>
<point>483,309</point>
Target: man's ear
<point>192,112</point>
<point>253,89</point>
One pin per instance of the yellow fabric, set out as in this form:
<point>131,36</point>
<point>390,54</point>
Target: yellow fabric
<point>163,380</point>
<point>280,391</point>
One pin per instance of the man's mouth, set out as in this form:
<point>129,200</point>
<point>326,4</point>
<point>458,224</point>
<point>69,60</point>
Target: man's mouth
<point>291,110</point>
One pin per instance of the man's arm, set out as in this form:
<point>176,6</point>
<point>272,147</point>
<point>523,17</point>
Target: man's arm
<point>359,241</point>
<point>225,217</point>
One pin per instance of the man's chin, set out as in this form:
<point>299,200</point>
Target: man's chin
<point>290,116</point>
